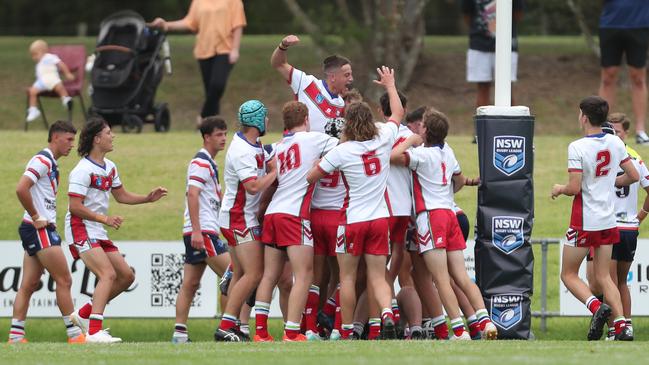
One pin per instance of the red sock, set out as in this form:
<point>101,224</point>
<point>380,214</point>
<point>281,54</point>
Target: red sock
<point>474,328</point>
<point>86,310</point>
<point>375,329</point>
<point>619,324</point>
<point>311,309</point>
<point>395,310</point>
<point>330,307</point>
<point>593,304</point>
<point>338,319</point>
<point>291,334</point>
<point>346,331</point>
<point>261,323</point>
<point>96,321</point>
<point>387,313</point>
<point>228,322</point>
<point>441,331</point>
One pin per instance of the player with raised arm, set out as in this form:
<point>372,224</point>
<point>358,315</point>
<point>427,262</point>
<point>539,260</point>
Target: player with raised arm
<point>436,176</point>
<point>364,163</point>
<point>37,190</point>
<point>201,227</point>
<point>92,182</point>
<point>248,172</point>
<point>324,99</point>
<point>592,165</point>
<point>287,228</point>
<point>400,198</point>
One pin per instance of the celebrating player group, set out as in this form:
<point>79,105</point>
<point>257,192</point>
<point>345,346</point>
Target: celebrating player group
<point>332,214</point>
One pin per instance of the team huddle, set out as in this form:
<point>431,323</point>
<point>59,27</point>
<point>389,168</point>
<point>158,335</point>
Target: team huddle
<point>332,215</point>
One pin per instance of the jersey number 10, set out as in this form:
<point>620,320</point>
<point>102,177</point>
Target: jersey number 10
<point>289,159</point>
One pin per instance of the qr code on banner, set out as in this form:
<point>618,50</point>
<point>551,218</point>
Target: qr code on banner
<point>166,279</point>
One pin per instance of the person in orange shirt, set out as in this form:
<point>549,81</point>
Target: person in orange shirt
<point>218,25</point>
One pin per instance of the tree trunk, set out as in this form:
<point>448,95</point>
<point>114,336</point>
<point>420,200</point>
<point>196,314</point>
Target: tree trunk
<point>585,30</point>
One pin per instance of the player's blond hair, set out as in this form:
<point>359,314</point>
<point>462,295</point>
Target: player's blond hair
<point>359,123</point>
<point>620,118</point>
<point>38,45</point>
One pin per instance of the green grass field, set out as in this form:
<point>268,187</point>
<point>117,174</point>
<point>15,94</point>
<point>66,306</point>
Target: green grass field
<point>365,352</point>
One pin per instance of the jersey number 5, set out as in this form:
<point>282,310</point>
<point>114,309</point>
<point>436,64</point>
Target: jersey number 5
<point>371,163</point>
<point>603,160</point>
<point>289,159</point>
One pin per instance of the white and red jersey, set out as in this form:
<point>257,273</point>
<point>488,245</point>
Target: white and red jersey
<point>626,198</point>
<point>400,181</point>
<point>598,158</point>
<point>329,192</point>
<point>93,183</point>
<point>43,171</point>
<point>433,168</point>
<point>323,105</point>
<point>296,154</point>
<point>244,161</point>
<point>203,173</point>
<point>365,167</point>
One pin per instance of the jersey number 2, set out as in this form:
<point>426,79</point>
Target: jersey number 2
<point>603,160</point>
<point>289,159</point>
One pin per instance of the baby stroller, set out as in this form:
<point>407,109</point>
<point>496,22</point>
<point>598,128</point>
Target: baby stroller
<point>128,67</point>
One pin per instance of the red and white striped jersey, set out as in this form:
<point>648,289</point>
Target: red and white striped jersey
<point>203,173</point>
<point>432,168</point>
<point>43,171</point>
<point>598,158</point>
<point>296,154</point>
<point>243,162</point>
<point>626,198</point>
<point>400,181</point>
<point>365,167</point>
<point>314,93</point>
<point>93,183</point>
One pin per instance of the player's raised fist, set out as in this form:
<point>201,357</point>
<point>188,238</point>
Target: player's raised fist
<point>290,40</point>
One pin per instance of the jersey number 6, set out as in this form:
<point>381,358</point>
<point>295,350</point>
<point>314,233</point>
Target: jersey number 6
<point>371,163</point>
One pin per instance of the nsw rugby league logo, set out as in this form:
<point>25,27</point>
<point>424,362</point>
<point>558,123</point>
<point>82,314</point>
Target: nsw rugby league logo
<point>509,154</point>
<point>506,310</point>
<point>507,233</point>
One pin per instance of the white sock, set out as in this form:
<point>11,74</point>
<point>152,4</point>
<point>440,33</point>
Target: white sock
<point>17,331</point>
<point>65,100</point>
<point>72,330</point>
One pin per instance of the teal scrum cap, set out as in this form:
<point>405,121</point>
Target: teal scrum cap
<point>252,113</point>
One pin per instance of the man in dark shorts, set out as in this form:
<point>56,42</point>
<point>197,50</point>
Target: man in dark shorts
<point>624,30</point>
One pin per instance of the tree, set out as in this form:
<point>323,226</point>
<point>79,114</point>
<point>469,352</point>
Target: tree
<point>370,32</point>
<point>583,26</point>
